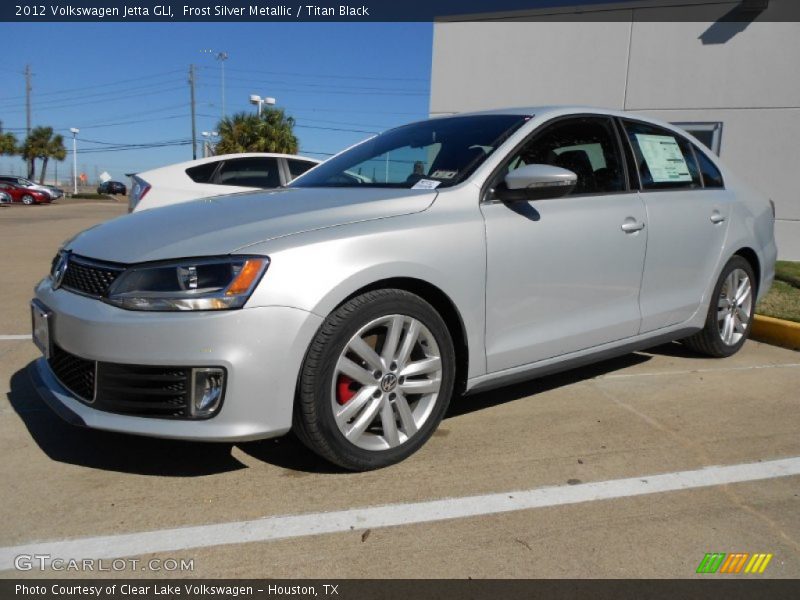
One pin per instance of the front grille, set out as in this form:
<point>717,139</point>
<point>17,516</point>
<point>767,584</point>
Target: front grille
<point>75,373</point>
<point>143,390</point>
<point>89,277</point>
<point>135,390</point>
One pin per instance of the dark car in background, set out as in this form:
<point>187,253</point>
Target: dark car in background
<point>25,195</point>
<point>112,187</point>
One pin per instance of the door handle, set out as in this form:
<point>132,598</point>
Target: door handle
<point>717,218</point>
<point>632,226</point>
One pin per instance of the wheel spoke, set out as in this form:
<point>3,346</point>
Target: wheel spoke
<point>406,416</point>
<point>727,332</point>
<point>738,325</point>
<point>366,353</point>
<point>423,386</point>
<point>394,330</point>
<point>410,339</point>
<point>364,420</point>
<point>422,367</point>
<point>353,371</point>
<point>389,424</point>
<point>356,403</point>
<point>743,291</point>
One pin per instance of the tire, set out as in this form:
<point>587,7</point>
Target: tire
<point>729,320</point>
<point>381,420</point>
<point>28,200</point>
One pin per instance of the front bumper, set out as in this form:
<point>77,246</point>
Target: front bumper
<point>262,350</point>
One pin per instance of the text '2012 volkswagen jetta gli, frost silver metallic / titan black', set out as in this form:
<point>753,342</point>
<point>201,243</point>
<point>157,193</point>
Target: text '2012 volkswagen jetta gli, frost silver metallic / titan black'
<point>439,258</point>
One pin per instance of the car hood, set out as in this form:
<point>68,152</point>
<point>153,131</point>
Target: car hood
<point>225,224</point>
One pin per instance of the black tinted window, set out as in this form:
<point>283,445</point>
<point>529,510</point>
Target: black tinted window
<point>586,146</point>
<point>298,167</point>
<point>665,159</point>
<point>712,178</point>
<point>250,172</point>
<point>202,173</point>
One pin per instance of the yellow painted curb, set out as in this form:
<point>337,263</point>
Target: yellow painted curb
<point>776,332</point>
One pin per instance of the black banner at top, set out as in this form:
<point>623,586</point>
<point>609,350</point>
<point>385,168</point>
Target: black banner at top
<point>394,10</point>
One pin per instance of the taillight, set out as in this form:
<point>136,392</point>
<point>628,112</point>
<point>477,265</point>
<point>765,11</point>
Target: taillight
<point>139,191</point>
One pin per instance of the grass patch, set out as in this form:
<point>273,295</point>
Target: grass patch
<point>788,271</point>
<point>783,300</point>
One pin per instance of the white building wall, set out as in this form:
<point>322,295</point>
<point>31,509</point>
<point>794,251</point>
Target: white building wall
<point>746,75</point>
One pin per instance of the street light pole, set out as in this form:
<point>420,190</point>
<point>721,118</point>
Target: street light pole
<point>75,131</point>
<point>222,57</point>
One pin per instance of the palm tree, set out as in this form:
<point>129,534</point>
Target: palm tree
<point>246,132</point>
<point>8,144</point>
<point>41,143</point>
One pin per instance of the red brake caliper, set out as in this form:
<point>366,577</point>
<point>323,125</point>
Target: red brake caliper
<point>344,389</point>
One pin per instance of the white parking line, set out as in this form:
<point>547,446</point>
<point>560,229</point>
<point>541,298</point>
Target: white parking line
<point>294,526</point>
<point>8,338</point>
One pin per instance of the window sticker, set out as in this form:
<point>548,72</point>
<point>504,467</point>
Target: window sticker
<point>444,174</point>
<point>664,158</point>
<point>426,184</point>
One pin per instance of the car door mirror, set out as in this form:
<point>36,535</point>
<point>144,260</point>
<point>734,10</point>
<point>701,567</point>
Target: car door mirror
<point>536,182</point>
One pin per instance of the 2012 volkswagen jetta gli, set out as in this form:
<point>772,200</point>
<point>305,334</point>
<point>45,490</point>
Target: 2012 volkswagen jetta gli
<point>442,257</point>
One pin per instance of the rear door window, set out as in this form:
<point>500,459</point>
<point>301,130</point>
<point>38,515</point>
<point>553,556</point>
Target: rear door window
<point>249,172</point>
<point>665,159</point>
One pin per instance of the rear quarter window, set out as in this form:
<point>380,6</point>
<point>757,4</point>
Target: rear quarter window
<point>712,178</point>
<point>202,173</point>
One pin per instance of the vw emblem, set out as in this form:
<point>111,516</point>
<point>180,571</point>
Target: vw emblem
<point>60,270</point>
<point>389,382</point>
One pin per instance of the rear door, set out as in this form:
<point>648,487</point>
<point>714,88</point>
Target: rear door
<point>688,209</point>
<point>563,274</point>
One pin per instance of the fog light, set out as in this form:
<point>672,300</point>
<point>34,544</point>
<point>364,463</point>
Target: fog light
<point>207,388</point>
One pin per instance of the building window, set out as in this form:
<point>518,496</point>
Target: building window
<point>708,133</point>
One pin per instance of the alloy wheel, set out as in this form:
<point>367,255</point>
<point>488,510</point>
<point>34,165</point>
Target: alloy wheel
<point>734,307</point>
<point>386,382</point>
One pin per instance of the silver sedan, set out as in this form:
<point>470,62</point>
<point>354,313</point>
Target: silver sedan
<point>437,259</point>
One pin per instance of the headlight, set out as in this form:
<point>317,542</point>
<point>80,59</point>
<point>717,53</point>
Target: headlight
<point>200,284</point>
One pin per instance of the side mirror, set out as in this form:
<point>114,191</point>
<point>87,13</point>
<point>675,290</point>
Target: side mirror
<point>536,182</point>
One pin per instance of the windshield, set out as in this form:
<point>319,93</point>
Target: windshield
<point>436,153</point>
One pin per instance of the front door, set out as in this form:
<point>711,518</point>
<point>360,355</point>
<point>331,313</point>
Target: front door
<point>564,274</point>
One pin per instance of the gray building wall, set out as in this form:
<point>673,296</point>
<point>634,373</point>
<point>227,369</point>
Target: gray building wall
<point>745,75</point>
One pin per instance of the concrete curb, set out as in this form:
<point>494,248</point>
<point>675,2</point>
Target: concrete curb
<point>776,332</point>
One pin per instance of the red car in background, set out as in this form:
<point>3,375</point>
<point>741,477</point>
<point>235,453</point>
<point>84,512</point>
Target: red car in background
<point>25,195</point>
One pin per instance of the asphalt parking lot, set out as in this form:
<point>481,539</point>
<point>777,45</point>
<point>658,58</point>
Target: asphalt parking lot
<point>572,453</point>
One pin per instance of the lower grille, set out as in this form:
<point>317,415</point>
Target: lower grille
<point>142,390</point>
<point>75,373</point>
<point>136,390</point>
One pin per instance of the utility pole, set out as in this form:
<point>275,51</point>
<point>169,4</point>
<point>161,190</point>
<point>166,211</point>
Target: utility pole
<point>194,128</point>
<point>222,57</point>
<point>28,89</point>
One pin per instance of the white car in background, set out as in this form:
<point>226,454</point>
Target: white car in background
<point>214,176</point>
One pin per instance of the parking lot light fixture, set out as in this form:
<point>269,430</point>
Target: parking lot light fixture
<point>75,131</point>
<point>259,101</point>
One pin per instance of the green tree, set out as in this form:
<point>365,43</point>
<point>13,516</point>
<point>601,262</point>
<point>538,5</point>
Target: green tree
<point>41,143</point>
<point>246,132</point>
<point>8,144</point>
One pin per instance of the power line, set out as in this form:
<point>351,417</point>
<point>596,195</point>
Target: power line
<point>89,88</point>
<point>328,75</point>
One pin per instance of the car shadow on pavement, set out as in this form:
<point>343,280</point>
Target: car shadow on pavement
<point>110,451</point>
<point>482,400</point>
